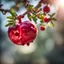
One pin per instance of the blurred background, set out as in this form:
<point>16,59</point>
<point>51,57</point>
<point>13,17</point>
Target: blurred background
<point>48,47</point>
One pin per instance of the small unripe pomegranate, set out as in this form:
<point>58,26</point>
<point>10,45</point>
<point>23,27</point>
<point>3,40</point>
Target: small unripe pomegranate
<point>46,19</point>
<point>42,28</point>
<point>46,9</point>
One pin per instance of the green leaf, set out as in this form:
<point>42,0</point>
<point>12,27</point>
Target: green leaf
<point>29,16</point>
<point>54,19</point>
<point>10,17</point>
<point>34,19</point>
<point>10,20</point>
<point>52,23</point>
<point>34,13</point>
<point>49,15</point>
<point>9,24</point>
<point>41,21</point>
<point>30,7</point>
<point>13,13</point>
<point>52,14</point>
<point>44,13</point>
<point>40,9</point>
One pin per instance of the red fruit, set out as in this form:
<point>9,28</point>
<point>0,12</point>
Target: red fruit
<point>23,33</point>
<point>46,9</point>
<point>46,19</point>
<point>42,28</point>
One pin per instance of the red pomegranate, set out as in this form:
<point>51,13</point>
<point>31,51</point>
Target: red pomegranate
<point>46,9</point>
<point>46,19</point>
<point>23,33</point>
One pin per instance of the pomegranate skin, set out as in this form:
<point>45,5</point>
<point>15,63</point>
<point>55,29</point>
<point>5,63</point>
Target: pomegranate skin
<point>46,9</point>
<point>42,28</point>
<point>46,19</point>
<point>23,33</point>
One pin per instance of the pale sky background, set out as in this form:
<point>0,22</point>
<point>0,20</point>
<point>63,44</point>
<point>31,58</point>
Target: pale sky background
<point>21,11</point>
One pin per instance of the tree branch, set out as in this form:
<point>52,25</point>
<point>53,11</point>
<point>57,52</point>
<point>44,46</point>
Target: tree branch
<point>5,11</point>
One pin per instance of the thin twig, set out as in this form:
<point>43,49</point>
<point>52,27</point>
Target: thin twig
<point>3,10</point>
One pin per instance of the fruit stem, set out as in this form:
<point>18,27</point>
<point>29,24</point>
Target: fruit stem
<point>19,21</point>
